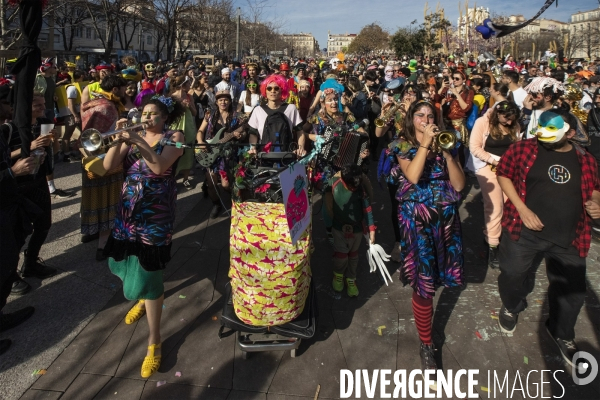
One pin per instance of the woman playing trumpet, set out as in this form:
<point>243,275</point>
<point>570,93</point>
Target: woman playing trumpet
<point>430,231</point>
<point>140,244</point>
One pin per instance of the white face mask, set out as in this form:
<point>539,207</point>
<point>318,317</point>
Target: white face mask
<point>551,127</point>
<point>385,98</point>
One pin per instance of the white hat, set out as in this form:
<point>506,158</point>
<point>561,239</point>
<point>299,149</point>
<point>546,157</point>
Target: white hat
<point>528,61</point>
<point>334,61</point>
<point>225,71</point>
<point>404,63</point>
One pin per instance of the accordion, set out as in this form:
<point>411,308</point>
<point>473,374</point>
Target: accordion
<point>343,148</point>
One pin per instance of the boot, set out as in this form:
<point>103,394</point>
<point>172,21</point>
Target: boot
<point>493,261</point>
<point>36,268</point>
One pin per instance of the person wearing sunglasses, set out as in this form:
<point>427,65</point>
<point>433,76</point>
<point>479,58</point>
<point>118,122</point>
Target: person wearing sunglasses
<point>456,100</point>
<point>288,136</point>
<point>491,136</point>
<point>250,97</point>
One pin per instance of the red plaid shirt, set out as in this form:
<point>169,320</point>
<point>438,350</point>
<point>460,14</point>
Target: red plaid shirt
<point>515,165</point>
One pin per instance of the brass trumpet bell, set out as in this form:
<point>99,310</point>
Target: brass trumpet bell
<point>446,140</point>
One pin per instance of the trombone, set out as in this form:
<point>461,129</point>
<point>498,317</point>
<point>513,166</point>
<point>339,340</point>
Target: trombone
<point>92,139</point>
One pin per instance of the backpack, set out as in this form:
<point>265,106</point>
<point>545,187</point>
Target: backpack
<point>277,122</point>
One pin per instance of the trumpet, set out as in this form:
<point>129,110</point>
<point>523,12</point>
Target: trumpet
<point>445,140</point>
<point>389,114</point>
<point>92,139</point>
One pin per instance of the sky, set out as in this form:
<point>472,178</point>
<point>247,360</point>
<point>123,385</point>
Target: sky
<point>349,16</point>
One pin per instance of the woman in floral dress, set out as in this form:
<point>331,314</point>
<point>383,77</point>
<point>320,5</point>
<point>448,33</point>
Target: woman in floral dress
<point>140,244</point>
<point>430,231</point>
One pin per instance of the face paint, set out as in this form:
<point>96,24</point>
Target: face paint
<point>551,127</point>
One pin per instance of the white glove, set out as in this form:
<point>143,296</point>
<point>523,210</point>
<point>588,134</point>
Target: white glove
<point>377,258</point>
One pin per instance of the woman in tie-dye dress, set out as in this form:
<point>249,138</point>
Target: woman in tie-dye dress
<point>140,244</point>
<point>431,244</point>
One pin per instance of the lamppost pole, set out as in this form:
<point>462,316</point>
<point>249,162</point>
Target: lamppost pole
<point>237,37</point>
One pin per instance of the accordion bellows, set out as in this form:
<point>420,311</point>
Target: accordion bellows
<point>270,277</point>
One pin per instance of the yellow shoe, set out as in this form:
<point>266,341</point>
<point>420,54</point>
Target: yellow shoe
<point>151,363</point>
<point>135,313</point>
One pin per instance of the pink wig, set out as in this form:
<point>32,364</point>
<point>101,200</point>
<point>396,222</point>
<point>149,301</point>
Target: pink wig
<point>279,81</point>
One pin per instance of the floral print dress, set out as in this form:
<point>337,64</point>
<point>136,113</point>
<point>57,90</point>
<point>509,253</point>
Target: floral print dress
<point>140,244</point>
<point>430,229</point>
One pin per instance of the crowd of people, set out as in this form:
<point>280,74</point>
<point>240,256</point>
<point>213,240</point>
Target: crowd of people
<point>529,132</point>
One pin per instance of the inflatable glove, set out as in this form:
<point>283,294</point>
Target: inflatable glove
<point>377,258</point>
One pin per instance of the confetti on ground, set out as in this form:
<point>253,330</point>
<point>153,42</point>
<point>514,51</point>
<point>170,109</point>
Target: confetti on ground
<point>38,372</point>
<point>160,383</point>
<point>478,334</point>
<point>317,393</point>
<point>494,317</point>
<point>525,360</point>
<point>484,389</point>
<point>214,317</point>
<point>178,374</point>
<point>539,301</point>
<point>379,330</point>
<point>182,296</point>
<point>183,320</point>
<point>164,306</point>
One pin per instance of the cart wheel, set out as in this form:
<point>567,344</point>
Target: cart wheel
<point>293,353</point>
<point>244,355</point>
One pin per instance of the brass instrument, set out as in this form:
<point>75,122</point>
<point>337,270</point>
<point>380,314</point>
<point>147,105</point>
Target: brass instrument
<point>389,114</point>
<point>92,140</point>
<point>573,95</point>
<point>445,140</point>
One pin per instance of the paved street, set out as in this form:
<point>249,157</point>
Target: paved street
<point>78,335</point>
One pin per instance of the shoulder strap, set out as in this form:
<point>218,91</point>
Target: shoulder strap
<point>10,131</point>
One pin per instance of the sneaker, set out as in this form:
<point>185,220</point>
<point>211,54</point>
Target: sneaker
<point>493,261</point>
<point>60,194</point>
<point>74,156</point>
<point>351,288</point>
<point>13,319</point>
<point>187,184</point>
<point>216,211</point>
<point>507,320</point>
<point>396,255</point>
<point>66,158</point>
<point>36,268</point>
<point>89,238</point>
<point>338,282</point>
<point>4,345</point>
<point>20,287</point>
<point>567,348</point>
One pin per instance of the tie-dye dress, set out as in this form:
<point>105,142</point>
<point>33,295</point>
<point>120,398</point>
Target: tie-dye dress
<point>140,244</point>
<point>430,229</point>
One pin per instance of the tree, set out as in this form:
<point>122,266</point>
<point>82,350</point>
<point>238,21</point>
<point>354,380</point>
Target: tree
<point>436,28</point>
<point>371,38</point>
<point>68,17</point>
<point>407,41</point>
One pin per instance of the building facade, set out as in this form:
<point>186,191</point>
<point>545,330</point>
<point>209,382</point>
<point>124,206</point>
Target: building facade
<point>584,34</point>
<point>301,44</point>
<point>338,42</point>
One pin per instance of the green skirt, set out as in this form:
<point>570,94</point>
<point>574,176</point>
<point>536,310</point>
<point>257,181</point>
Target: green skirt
<point>138,284</point>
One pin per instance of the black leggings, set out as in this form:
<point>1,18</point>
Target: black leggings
<point>395,223</point>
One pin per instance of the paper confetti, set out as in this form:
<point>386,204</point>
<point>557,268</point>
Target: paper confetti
<point>484,389</point>
<point>478,334</point>
<point>164,306</point>
<point>539,301</point>
<point>38,372</point>
<point>379,330</point>
<point>214,318</point>
<point>178,374</point>
<point>525,360</point>
<point>183,320</point>
<point>160,383</point>
<point>494,317</point>
<point>181,296</point>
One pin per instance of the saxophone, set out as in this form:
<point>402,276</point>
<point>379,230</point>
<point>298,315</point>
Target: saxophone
<point>389,114</point>
<point>573,95</point>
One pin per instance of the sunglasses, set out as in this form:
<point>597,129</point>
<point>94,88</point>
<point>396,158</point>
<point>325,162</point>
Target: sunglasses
<point>396,70</point>
<point>252,85</point>
<point>454,78</point>
<point>273,88</point>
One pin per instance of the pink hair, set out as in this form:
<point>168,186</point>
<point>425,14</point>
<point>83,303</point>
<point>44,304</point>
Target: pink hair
<point>279,81</point>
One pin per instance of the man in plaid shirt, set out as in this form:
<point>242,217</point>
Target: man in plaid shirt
<point>553,190</point>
